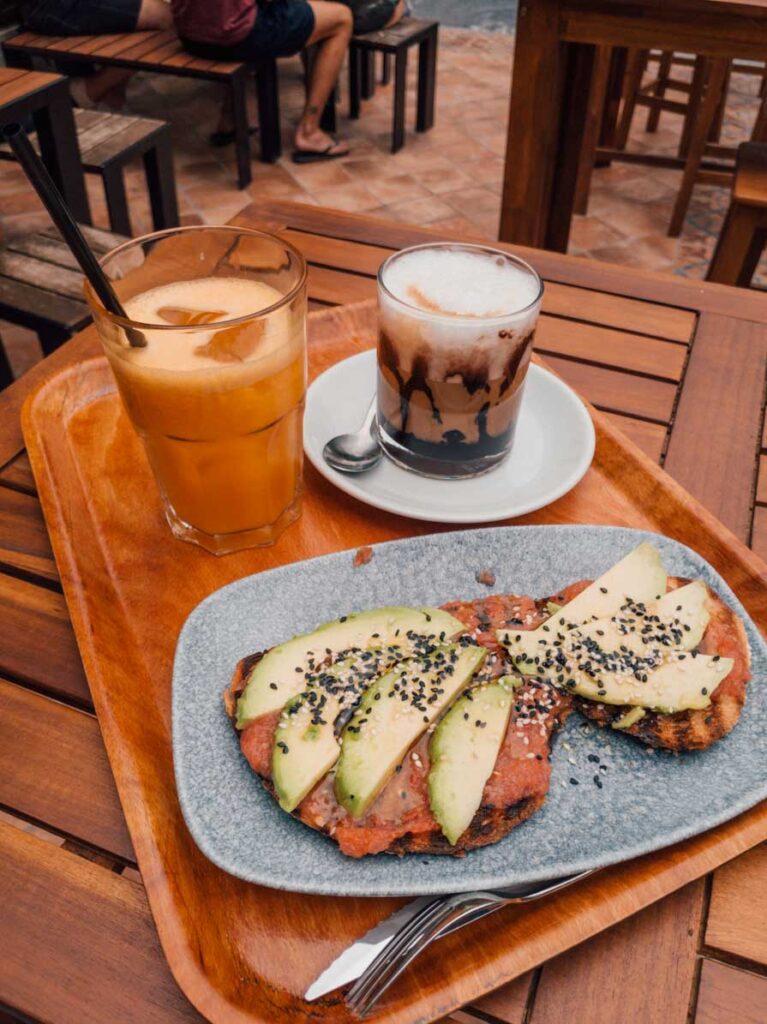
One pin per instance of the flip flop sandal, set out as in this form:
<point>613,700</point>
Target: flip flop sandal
<point>313,156</point>
<point>219,139</point>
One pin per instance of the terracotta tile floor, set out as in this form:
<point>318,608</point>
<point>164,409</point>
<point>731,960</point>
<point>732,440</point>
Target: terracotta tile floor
<point>449,178</point>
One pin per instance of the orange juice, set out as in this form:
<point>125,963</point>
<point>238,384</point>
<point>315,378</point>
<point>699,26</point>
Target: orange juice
<point>218,405</point>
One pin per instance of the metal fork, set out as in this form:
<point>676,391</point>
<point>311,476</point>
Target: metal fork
<point>443,915</point>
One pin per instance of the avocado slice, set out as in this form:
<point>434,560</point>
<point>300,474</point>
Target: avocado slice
<point>683,682</point>
<point>305,742</point>
<point>463,751</point>
<point>676,622</point>
<point>393,714</point>
<point>639,576</point>
<point>630,718</point>
<point>282,672</point>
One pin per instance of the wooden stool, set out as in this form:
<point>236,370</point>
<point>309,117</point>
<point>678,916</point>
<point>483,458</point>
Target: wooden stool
<point>41,285</point>
<point>744,232</point>
<point>716,74</point>
<point>107,143</point>
<point>396,41</point>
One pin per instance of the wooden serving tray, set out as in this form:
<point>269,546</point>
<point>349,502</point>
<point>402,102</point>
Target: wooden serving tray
<point>242,953</point>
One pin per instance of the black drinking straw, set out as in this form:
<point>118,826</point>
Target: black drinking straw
<point>45,186</point>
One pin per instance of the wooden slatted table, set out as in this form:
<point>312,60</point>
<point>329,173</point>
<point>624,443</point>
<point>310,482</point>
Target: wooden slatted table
<point>681,367</point>
<point>45,98</point>
<point>555,63</point>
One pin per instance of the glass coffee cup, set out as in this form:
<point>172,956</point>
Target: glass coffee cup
<point>211,368</point>
<point>456,330</point>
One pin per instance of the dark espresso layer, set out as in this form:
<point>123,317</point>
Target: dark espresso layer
<point>464,415</point>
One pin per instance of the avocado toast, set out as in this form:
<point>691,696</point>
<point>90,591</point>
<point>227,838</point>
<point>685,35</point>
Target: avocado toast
<point>429,730</point>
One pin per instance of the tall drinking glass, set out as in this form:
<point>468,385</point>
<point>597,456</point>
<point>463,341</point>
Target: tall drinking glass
<point>457,324</point>
<point>216,392</point>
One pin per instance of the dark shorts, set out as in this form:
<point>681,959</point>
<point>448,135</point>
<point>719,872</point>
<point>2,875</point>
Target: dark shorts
<point>282,28</point>
<point>80,17</point>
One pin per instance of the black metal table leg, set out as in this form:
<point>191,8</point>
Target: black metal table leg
<point>354,81</point>
<point>427,81</point>
<point>117,200</point>
<point>237,85</point>
<point>57,136</point>
<point>400,83</point>
<point>158,168</point>
<point>268,111</point>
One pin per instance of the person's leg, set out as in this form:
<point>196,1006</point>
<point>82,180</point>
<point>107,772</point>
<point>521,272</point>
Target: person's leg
<point>154,14</point>
<point>399,10</point>
<point>109,84</point>
<point>333,29</point>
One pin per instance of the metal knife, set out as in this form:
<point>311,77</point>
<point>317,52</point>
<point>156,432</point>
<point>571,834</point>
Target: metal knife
<point>353,961</point>
<point>350,964</point>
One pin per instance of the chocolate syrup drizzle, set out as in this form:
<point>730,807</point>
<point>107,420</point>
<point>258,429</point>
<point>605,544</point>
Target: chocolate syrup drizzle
<point>454,445</point>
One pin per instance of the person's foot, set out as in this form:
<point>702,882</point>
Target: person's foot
<point>319,144</point>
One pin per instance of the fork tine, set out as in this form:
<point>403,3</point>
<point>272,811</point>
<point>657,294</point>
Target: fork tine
<point>390,953</point>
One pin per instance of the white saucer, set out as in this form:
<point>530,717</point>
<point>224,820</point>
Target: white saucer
<point>553,448</point>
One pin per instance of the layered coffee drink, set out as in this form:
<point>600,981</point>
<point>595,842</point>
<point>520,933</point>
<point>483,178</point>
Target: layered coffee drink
<point>456,334</point>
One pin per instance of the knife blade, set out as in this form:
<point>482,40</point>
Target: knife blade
<point>350,964</point>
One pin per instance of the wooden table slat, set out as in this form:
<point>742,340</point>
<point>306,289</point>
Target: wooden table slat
<point>737,917</point>
<point>640,970</point>
<point>77,944</point>
<point>650,437</point>
<point>37,643</point>
<point>618,392</point>
<point>54,769</point>
<point>18,474</point>
<point>24,540</point>
<point>730,996</point>
<point>713,446</point>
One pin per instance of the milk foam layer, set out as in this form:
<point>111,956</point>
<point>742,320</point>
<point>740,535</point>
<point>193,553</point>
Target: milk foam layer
<point>229,296</point>
<point>456,282</point>
<point>449,340</point>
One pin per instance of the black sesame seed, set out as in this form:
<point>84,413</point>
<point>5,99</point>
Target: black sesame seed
<point>574,782</point>
<point>603,590</point>
<point>272,686</point>
<point>597,782</point>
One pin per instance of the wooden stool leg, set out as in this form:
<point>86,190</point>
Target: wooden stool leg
<point>427,82</point>
<point>268,112</point>
<point>161,183</point>
<point>716,128</point>
<point>612,100</point>
<point>717,73</point>
<point>759,133</point>
<point>597,96</point>
<point>237,85</point>
<point>637,62</point>
<point>739,247</point>
<point>400,83</point>
<point>386,69</point>
<point>693,103</point>
<point>659,90</point>
<point>367,74</point>
<point>117,201</point>
<point>354,82</point>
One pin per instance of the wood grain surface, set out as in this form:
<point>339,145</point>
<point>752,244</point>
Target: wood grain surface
<point>277,942</point>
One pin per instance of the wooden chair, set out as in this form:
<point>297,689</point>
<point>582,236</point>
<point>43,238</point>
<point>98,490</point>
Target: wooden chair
<point>41,285</point>
<point>162,53</point>
<point>107,143</point>
<point>744,232</point>
<point>395,42</point>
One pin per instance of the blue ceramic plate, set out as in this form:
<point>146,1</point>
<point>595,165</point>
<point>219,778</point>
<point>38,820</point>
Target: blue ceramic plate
<point>647,800</point>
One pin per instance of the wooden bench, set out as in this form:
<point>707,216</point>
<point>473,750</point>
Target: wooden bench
<point>107,143</point>
<point>395,42</point>
<point>162,53</point>
<point>744,232</point>
<point>41,285</point>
